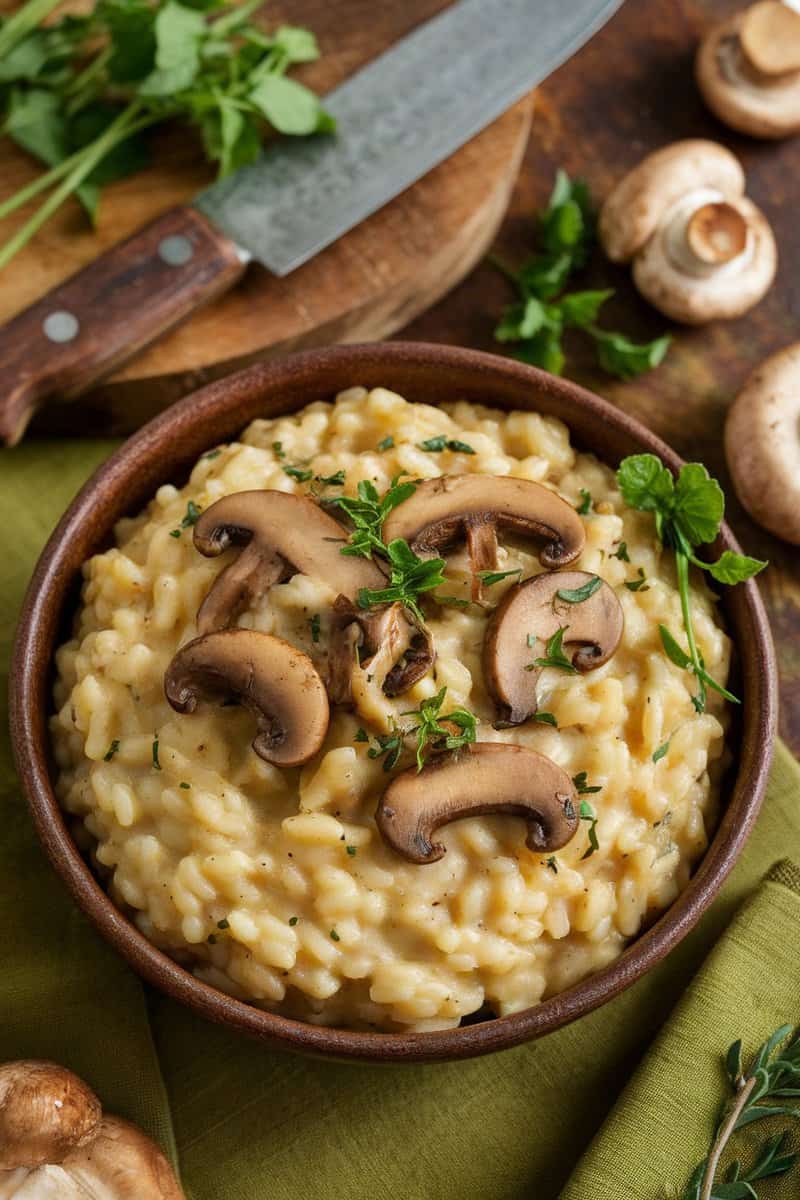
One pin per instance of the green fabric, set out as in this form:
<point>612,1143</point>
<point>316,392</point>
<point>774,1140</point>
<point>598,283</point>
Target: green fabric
<point>249,1123</point>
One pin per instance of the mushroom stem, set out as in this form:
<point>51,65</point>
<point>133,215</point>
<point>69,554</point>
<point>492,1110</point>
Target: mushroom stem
<point>716,233</point>
<point>483,778</point>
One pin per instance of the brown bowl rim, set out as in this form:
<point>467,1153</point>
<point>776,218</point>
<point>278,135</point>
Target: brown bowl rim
<point>146,457</point>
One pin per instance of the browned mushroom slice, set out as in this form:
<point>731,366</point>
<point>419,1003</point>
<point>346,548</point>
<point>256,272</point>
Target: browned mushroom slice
<point>482,778</point>
<point>534,610</point>
<point>387,644</point>
<point>281,534</point>
<point>275,681</point>
<point>441,511</point>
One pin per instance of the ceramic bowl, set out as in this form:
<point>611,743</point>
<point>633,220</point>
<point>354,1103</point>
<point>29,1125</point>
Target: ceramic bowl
<point>164,450</point>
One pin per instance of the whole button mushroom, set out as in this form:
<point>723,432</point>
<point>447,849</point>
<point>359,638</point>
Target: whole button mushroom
<point>590,615</point>
<point>748,69</point>
<point>274,680</point>
<point>762,444</point>
<point>483,778</point>
<point>56,1142</point>
<point>452,508</point>
<point>700,249</point>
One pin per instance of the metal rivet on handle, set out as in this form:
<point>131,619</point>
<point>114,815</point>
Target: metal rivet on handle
<point>175,250</point>
<point>61,326</point>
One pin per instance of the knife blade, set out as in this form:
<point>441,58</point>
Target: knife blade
<point>398,117</point>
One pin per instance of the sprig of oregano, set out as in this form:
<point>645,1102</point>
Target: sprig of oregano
<point>434,731</point>
<point>536,322</point>
<point>80,93</point>
<point>773,1074</point>
<point>688,513</point>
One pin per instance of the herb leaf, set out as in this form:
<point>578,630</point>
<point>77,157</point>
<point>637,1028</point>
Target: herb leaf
<point>619,356</point>
<point>554,655</point>
<point>584,592</point>
<point>431,732</point>
<point>489,578</point>
<point>410,577</point>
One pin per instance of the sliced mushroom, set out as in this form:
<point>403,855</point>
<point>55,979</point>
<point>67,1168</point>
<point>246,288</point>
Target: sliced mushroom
<point>45,1110</point>
<point>762,444</point>
<point>748,70</point>
<point>444,510</point>
<point>700,249</point>
<point>387,644</point>
<point>482,778</point>
<point>55,1144</point>
<point>533,610</point>
<point>275,681</point>
<point>281,535</point>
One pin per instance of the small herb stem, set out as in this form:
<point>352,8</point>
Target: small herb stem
<point>117,131</point>
<point>682,567</point>
<point>723,1135</point>
<point>22,22</point>
<point>503,268</point>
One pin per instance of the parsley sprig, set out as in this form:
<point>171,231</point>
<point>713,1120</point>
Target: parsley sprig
<point>368,511</point>
<point>688,513</point>
<point>772,1075</point>
<point>536,322</point>
<point>434,731</point>
<point>80,93</point>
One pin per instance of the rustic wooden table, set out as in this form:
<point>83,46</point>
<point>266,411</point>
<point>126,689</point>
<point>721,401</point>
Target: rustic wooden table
<point>631,90</point>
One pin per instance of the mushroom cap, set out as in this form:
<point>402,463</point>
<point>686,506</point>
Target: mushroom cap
<point>770,37</point>
<point>274,680</point>
<point>764,106</point>
<point>688,290</point>
<point>122,1163</point>
<point>639,203</point>
<point>281,533</point>
<point>45,1110</point>
<point>762,444</point>
<point>483,778</point>
<point>442,510</point>
<point>533,608</point>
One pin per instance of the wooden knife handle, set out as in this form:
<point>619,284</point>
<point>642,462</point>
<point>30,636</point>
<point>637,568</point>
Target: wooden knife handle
<point>109,310</point>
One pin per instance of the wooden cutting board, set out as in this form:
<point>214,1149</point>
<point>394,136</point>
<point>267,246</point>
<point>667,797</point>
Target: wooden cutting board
<point>364,287</point>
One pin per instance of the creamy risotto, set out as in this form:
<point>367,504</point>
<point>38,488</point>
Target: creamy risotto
<point>274,884</point>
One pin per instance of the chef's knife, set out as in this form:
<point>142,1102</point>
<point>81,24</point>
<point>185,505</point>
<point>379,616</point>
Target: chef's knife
<point>397,118</point>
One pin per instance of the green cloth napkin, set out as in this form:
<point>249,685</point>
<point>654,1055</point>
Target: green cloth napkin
<point>249,1123</point>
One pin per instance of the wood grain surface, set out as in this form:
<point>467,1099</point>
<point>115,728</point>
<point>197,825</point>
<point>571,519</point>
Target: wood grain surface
<point>365,286</point>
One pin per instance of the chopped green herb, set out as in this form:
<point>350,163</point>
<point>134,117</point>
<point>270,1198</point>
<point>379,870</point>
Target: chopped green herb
<point>453,601</point>
<point>638,585</point>
<point>431,732</point>
<point>621,553</point>
<point>661,751</point>
<point>585,505</point>
<point>293,920</point>
<point>579,594</point>
<point>442,442</point>
<point>351,850</point>
<point>459,447</point>
<point>224,923</point>
<point>278,449</point>
<point>581,785</point>
<point>386,443</point>
<point>176,533</point>
<point>368,511</point>
<point>489,578</point>
<point>551,864</point>
<point>554,654</point>
<point>111,751</point>
<point>688,513</point>
<point>545,718</point>
<point>410,577</point>
<point>335,936</point>
<point>361,735</point>
<point>335,480</point>
<point>192,515</point>
<point>185,786</point>
<point>156,763</point>
<point>587,813</point>
<point>389,748</point>
<point>212,454</point>
<point>315,623</point>
<point>301,474</point>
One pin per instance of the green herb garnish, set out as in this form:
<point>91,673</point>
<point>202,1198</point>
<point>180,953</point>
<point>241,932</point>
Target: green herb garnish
<point>277,448</point>
<point>351,850</point>
<point>442,442</point>
<point>585,505</point>
<point>554,655</point>
<point>224,923</point>
<point>579,594</point>
<point>335,480</point>
<point>489,578</point>
<point>386,443</point>
<point>111,751</point>
<point>621,553</point>
<point>293,920</point>
<point>638,585</point>
<point>301,474</point>
<point>410,577</point>
<point>582,787</point>
<point>431,733</point>
<point>537,320</point>
<point>773,1074</point>
<point>587,813</point>
<point>361,735</point>
<point>156,763</point>
<point>79,94</point>
<point>335,936</point>
<point>389,747</point>
<point>551,864</point>
<point>688,513</point>
<point>185,786</point>
<point>661,751</point>
<point>545,718</point>
<point>191,517</point>
<point>212,454</point>
<point>368,511</point>
<point>314,622</point>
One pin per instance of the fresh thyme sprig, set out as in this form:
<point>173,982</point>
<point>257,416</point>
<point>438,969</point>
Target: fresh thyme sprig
<point>368,511</point>
<point>433,730</point>
<point>688,513</point>
<point>773,1074</point>
<point>554,655</point>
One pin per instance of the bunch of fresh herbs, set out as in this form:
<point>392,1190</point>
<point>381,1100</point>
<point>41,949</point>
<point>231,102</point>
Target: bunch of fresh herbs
<point>688,513</point>
<point>433,730</point>
<point>772,1075</point>
<point>78,94</point>
<point>536,322</point>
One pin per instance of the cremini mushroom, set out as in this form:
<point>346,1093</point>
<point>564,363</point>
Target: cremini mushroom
<point>442,511</point>
<point>762,444</point>
<point>700,249</point>
<point>280,535</point>
<point>483,778</point>
<point>274,680</point>
<point>528,616</point>
<point>56,1143</point>
<point>748,70</point>
<point>388,645</point>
